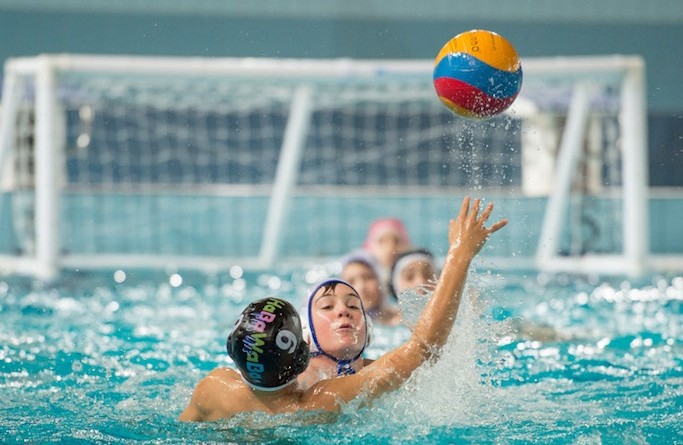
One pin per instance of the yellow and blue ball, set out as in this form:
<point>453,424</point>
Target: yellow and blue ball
<point>477,74</point>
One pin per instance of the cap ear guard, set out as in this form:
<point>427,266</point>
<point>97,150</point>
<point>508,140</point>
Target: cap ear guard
<point>306,330</point>
<point>303,355</point>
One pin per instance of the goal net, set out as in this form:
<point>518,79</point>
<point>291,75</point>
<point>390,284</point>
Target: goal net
<point>119,162</point>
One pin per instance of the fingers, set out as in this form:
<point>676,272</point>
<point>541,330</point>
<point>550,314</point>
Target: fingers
<point>464,207</point>
<point>485,214</point>
<point>472,214</point>
<point>499,225</point>
<point>475,209</point>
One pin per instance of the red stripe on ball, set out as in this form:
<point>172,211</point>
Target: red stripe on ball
<point>467,97</point>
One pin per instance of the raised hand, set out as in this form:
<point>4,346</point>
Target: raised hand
<point>467,233</point>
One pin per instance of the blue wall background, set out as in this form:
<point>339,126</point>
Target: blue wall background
<point>371,29</point>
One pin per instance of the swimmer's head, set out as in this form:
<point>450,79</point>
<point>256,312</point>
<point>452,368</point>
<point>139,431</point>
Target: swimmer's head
<point>361,271</point>
<point>267,344</point>
<point>412,270</point>
<point>385,239</point>
<point>340,335</point>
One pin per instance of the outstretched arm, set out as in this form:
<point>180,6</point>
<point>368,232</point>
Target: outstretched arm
<point>466,236</point>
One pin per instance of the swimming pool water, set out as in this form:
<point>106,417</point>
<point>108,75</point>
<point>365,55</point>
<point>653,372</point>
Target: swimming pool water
<point>96,358</point>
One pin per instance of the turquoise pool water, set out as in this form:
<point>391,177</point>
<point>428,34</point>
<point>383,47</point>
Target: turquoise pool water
<point>108,358</point>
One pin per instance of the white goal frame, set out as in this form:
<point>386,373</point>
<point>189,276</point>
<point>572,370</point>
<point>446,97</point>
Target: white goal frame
<point>43,70</point>
<point>633,117</point>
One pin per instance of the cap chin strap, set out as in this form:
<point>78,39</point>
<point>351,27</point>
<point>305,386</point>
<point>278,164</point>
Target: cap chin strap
<point>343,366</point>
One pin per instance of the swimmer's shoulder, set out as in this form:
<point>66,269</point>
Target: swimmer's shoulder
<point>219,394</point>
<point>224,373</point>
<point>221,380</point>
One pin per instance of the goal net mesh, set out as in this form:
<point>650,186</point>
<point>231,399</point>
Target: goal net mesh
<point>171,164</point>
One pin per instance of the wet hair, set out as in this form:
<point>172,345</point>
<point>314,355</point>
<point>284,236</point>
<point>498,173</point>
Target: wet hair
<point>267,344</point>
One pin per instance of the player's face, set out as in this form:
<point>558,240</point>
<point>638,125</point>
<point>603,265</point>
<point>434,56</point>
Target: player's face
<point>339,323</point>
<point>416,275</point>
<point>363,278</point>
<point>387,245</point>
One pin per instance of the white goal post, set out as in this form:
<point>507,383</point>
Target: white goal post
<point>205,163</point>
